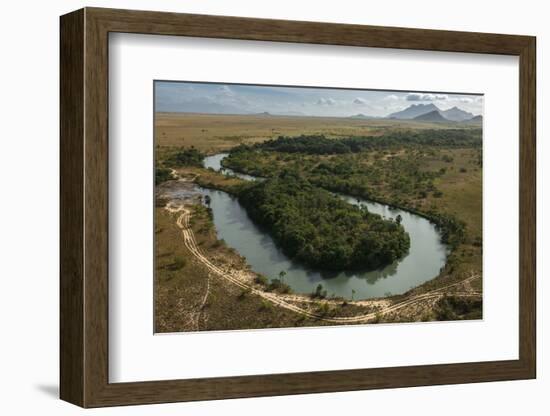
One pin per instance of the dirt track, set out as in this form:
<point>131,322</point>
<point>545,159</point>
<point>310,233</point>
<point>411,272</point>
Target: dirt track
<point>235,277</point>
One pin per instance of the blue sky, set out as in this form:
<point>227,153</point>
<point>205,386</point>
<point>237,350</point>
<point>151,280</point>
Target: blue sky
<point>249,99</point>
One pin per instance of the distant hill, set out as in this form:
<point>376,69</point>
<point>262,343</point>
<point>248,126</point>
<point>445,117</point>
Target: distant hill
<point>474,120</point>
<point>431,116</point>
<point>280,114</point>
<point>362,116</point>
<point>413,111</point>
<point>456,114</point>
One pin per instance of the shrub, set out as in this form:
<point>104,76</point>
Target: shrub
<point>162,175</point>
<point>277,286</point>
<point>377,318</point>
<point>450,308</point>
<point>178,263</point>
<point>324,309</point>
<point>319,292</point>
<point>266,305</point>
<point>244,293</point>
<point>260,279</point>
<point>216,243</point>
<point>285,288</point>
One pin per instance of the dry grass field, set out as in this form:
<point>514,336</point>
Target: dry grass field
<point>212,133</point>
<point>190,298</point>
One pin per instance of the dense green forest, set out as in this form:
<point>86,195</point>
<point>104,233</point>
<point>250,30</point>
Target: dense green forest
<point>319,229</point>
<point>397,177</point>
<point>185,157</point>
<point>359,175</point>
<point>321,145</point>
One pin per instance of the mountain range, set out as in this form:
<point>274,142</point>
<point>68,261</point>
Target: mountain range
<point>417,110</point>
<point>431,116</point>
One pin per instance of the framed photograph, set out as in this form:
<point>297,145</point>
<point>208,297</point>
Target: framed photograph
<point>257,207</point>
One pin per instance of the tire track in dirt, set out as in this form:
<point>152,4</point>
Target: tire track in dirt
<point>191,244</point>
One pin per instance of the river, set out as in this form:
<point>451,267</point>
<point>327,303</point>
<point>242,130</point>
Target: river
<point>427,255</point>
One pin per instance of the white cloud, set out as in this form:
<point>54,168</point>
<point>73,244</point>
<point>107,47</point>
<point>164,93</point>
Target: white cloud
<point>326,101</point>
<point>391,97</point>
<point>415,96</point>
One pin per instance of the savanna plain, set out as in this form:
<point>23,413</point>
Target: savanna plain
<point>267,221</point>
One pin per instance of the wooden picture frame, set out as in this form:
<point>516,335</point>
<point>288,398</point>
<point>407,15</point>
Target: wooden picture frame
<point>84,207</point>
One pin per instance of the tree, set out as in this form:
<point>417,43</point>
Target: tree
<point>318,291</point>
<point>282,275</point>
<point>352,294</point>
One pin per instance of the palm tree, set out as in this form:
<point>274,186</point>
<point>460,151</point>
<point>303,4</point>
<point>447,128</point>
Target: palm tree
<point>282,275</point>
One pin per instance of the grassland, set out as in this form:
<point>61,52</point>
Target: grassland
<point>189,297</point>
<point>213,133</point>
